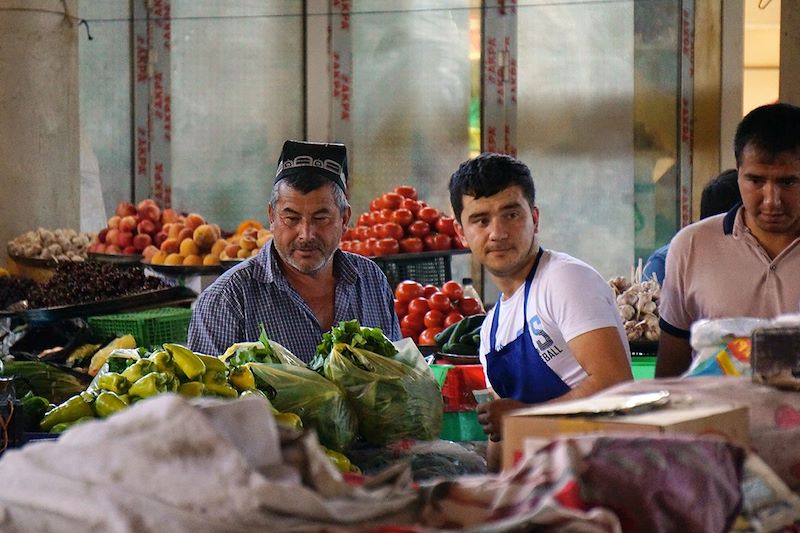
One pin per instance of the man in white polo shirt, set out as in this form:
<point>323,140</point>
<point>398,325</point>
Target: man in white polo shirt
<point>745,262</point>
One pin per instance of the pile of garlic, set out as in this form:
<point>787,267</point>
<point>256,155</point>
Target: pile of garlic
<point>638,305</point>
<point>58,245</point>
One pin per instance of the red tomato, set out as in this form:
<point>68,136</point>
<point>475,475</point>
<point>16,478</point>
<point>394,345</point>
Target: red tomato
<point>469,306</point>
<point>429,214</point>
<point>418,306</point>
<point>453,290</point>
<point>394,230</point>
<point>385,215</point>
<point>428,336</point>
<point>413,322</point>
<point>429,289</point>
<point>387,246</point>
<point>377,231</point>
<point>378,217</point>
<point>451,318</point>
<point>406,191</point>
<point>372,246</point>
<point>409,333</point>
<point>403,217</point>
<point>364,219</point>
<point>345,246</point>
<point>373,205</point>
<point>437,241</point>
<point>400,308</point>
<point>390,200</point>
<point>434,318</point>
<point>359,247</point>
<point>411,205</point>
<point>419,228</point>
<point>348,234</point>
<point>439,301</point>
<point>411,245</point>
<point>408,290</point>
<point>361,233</point>
<point>446,225</point>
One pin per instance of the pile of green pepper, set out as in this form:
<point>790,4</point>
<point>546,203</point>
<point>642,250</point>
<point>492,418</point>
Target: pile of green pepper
<point>174,368</point>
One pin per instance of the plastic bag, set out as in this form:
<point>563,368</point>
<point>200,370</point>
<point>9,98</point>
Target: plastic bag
<point>722,346</point>
<point>394,397</point>
<point>320,403</point>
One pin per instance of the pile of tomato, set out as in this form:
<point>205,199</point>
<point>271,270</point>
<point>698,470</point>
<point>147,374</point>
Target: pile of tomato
<point>426,310</point>
<point>398,222</point>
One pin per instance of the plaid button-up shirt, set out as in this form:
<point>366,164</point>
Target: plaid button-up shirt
<point>256,292</point>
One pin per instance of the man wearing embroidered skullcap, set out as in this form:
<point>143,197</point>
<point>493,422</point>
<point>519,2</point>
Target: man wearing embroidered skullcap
<point>300,283</point>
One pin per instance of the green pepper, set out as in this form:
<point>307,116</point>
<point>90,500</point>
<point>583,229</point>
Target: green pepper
<point>69,411</point>
<point>191,389</point>
<point>186,360</point>
<point>242,378</point>
<point>34,406</point>
<point>63,426</point>
<point>163,361</point>
<point>113,382</point>
<point>149,385</point>
<point>108,403</point>
<point>138,369</point>
<point>217,383</point>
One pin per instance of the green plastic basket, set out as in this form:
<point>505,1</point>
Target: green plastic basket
<point>643,367</point>
<point>461,426</point>
<point>150,328</point>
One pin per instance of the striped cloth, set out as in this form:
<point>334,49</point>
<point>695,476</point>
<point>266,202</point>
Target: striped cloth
<point>256,292</point>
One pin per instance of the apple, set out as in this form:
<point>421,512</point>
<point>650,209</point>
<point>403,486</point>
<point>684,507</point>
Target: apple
<point>148,210</point>
<point>146,226</point>
<point>124,239</point>
<point>111,236</point>
<point>130,250</point>
<point>128,223</point>
<point>160,237</point>
<point>113,222</point>
<point>142,241</point>
<point>126,209</point>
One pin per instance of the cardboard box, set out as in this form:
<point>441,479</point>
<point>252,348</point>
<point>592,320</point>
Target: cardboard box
<point>676,417</point>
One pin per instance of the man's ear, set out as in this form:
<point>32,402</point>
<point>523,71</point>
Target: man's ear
<point>459,229</point>
<point>270,215</point>
<point>535,216</point>
<point>348,212</point>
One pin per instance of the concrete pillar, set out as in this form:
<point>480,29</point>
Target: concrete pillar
<point>789,90</point>
<point>39,121</point>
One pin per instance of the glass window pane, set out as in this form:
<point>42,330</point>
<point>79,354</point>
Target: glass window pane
<point>237,95</point>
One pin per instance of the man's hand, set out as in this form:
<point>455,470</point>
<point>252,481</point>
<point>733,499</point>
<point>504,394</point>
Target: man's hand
<point>674,356</point>
<point>490,416</point>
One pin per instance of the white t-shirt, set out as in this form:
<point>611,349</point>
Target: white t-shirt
<point>568,298</point>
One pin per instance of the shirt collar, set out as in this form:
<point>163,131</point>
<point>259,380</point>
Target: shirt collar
<point>730,219</point>
<point>268,271</point>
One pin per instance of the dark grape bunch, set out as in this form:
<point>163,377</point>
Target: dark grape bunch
<point>13,289</point>
<point>90,281</point>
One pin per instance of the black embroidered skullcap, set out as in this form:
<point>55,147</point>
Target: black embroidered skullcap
<point>307,158</point>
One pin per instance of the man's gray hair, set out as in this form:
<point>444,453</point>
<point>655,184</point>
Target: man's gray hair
<point>306,185</point>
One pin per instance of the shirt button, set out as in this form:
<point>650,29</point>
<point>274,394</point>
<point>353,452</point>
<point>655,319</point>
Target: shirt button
<point>772,267</point>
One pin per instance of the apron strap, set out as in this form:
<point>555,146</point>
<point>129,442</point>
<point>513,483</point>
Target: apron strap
<point>496,314</point>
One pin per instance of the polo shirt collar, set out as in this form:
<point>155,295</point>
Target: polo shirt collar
<point>730,219</point>
<point>267,269</point>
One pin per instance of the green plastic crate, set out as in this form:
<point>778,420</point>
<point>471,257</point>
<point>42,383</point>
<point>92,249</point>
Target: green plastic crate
<point>150,328</point>
<point>440,372</point>
<point>643,367</point>
<point>461,426</point>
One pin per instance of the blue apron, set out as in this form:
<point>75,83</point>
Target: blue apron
<point>517,370</point>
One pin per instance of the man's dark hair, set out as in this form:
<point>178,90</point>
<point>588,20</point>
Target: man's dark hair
<point>487,175</point>
<point>771,129</point>
<point>720,194</point>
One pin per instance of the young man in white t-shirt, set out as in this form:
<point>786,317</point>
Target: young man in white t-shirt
<point>574,344</point>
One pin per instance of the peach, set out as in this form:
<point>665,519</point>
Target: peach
<point>113,222</point>
<point>160,237</point>
<point>232,251</point>
<point>264,235</point>
<point>192,260</point>
<point>250,232</point>
<point>185,233</point>
<point>125,209</point>
<point>218,246</point>
<point>142,241</point>
<point>170,246</point>
<point>111,236</point>
<point>130,250</point>
<point>243,254</point>
<point>124,239</point>
<point>149,251</point>
<point>174,230</point>
<point>193,220</point>
<point>254,252</point>
<point>99,248</point>
<point>173,259</point>
<point>188,247</point>
<point>205,235</point>
<point>158,258</point>
<point>101,235</point>
<point>113,249</point>
<point>169,215</point>
<point>146,226</point>
<point>148,210</point>
<point>210,260</point>
<point>127,223</point>
<point>247,243</point>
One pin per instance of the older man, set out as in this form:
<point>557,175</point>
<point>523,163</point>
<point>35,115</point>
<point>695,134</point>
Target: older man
<point>745,262</point>
<point>300,284</point>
